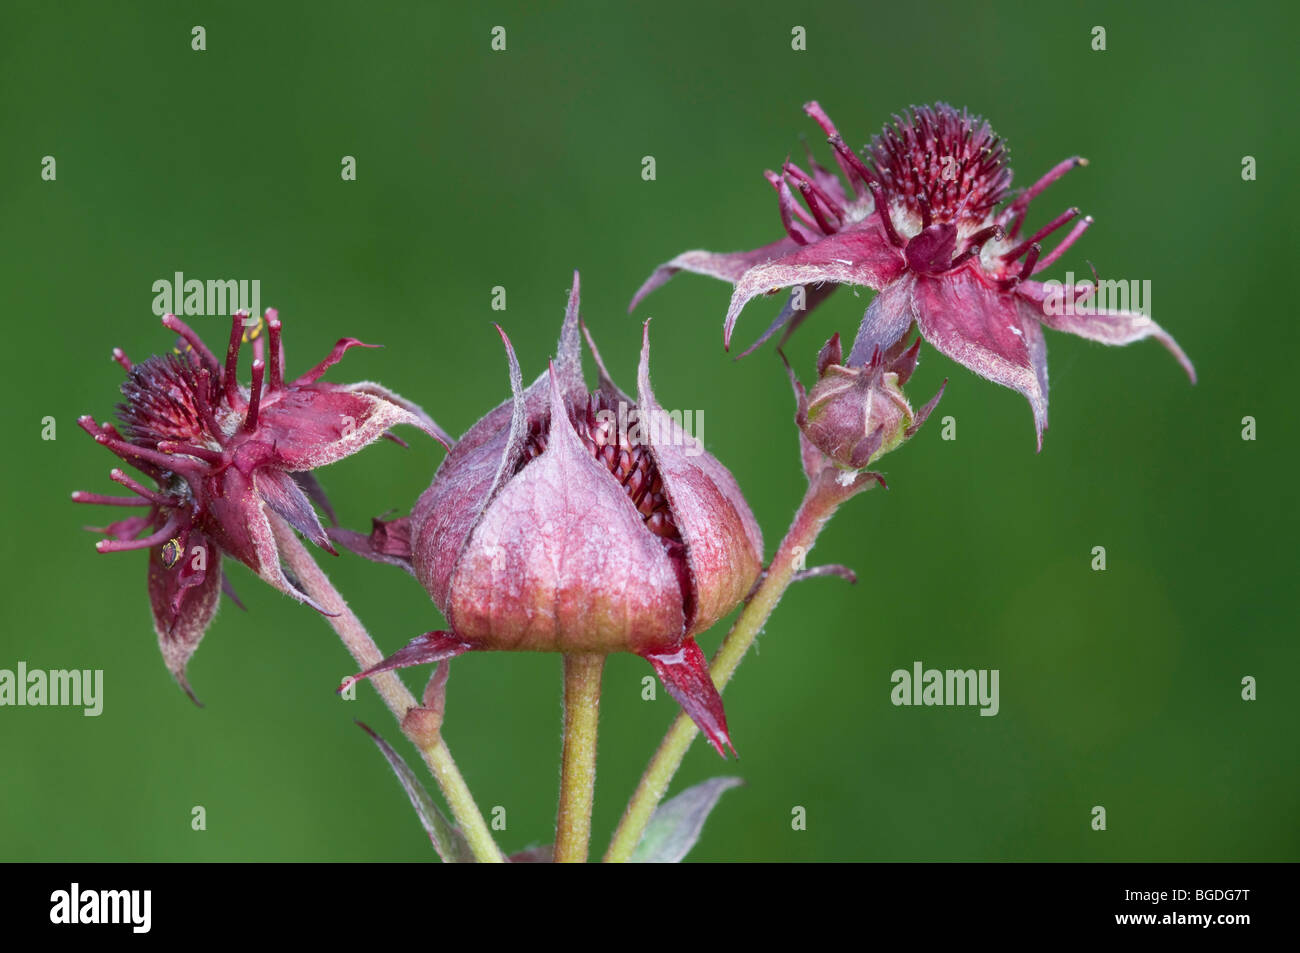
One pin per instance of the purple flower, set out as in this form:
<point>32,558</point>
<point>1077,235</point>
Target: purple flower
<point>569,520</point>
<point>921,224</point>
<point>224,458</point>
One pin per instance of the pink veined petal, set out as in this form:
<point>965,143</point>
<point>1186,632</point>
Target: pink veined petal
<point>728,266</point>
<point>540,572</point>
<point>318,424</point>
<point>724,547</point>
<point>237,522</point>
<point>1104,326</point>
<point>981,329</point>
<point>475,470</point>
<point>184,600</point>
<point>685,674</point>
<point>418,416</point>
<point>862,256</point>
<point>885,322</point>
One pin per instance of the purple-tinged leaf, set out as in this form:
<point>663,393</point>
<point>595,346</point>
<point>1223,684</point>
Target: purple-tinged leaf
<point>447,839</point>
<point>543,854</point>
<point>676,824</point>
<point>831,569</point>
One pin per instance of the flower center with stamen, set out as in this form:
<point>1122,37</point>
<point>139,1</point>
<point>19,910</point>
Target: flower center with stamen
<point>606,436</point>
<point>162,403</point>
<point>940,166</point>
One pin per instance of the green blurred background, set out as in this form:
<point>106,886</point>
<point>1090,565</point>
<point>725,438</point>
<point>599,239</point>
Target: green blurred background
<point>478,168</point>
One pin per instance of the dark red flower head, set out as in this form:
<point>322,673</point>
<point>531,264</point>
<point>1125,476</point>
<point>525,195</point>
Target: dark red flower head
<point>569,520</point>
<point>920,222</point>
<point>224,457</point>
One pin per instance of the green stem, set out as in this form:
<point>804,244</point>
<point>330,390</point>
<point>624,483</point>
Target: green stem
<point>391,688</point>
<point>825,494</point>
<point>578,775</point>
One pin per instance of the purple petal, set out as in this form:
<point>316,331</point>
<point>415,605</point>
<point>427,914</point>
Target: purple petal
<point>861,256</point>
<point>728,266</point>
<point>417,418</point>
<point>237,522</point>
<point>316,425</point>
<point>184,601</point>
<point>474,471</point>
<point>982,330</point>
<point>724,546</point>
<point>562,560</point>
<point>1106,327</point>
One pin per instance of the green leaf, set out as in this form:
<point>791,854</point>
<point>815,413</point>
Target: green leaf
<point>447,839</point>
<point>676,824</point>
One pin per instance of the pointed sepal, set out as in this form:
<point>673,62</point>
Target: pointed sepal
<point>685,673</point>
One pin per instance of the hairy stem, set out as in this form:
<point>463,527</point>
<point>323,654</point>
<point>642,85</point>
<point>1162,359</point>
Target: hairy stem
<point>578,775</point>
<point>394,693</point>
<point>825,493</point>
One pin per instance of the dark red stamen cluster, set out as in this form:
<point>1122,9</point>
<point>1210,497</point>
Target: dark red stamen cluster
<point>943,165</point>
<point>163,400</point>
<point>596,422</point>
<point>172,419</point>
<point>949,169</point>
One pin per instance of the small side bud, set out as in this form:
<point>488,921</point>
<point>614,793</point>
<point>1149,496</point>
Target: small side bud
<point>855,415</point>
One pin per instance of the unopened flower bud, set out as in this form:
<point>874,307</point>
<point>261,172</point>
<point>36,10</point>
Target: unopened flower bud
<point>855,415</point>
<point>554,526</point>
